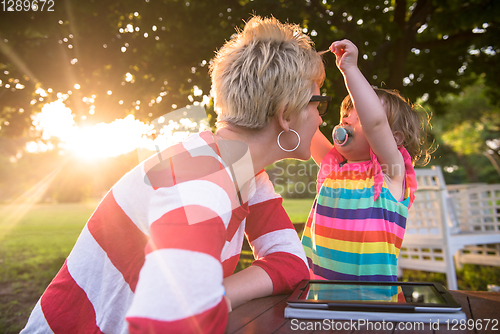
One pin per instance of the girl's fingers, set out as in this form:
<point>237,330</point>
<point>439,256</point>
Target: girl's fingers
<point>339,48</point>
<point>335,47</point>
<point>344,50</point>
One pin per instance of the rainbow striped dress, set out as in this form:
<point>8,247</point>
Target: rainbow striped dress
<point>355,228</point>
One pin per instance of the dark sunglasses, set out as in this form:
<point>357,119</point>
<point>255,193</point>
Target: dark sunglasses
<point>324,103</point>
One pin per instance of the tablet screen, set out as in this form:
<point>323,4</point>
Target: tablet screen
<point>426,294</point>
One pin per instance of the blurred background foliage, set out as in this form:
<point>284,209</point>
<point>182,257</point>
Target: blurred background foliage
<point>111,58</point>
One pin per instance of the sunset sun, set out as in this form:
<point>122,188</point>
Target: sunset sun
<point>112,139</point>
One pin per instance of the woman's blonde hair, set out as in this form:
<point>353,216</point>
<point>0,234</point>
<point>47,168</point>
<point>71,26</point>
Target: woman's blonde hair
<point>405,118</point>
<point>267,67</point>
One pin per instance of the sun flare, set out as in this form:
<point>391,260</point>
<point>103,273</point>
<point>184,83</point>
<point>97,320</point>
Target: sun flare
<point>119,137</point>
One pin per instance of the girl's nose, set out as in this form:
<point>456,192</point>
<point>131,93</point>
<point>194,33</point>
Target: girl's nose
<point>347,120</point>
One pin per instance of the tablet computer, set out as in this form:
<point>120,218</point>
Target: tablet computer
<point>374,296</point>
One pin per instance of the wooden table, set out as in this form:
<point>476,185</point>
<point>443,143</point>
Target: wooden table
<point>265,315</point>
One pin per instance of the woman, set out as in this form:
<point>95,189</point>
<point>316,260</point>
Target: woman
<point>158,253</point>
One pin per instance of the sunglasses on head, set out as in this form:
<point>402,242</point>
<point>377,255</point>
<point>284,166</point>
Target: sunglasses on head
<point>324,103</point>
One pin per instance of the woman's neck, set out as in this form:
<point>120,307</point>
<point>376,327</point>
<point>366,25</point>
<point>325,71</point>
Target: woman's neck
<point>260,144</point>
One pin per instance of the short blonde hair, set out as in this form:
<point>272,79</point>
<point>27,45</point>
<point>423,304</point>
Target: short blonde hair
<point>405,118</point>
<point>267,67</point>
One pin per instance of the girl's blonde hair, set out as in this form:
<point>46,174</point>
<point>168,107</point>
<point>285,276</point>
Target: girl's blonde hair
<point>406,118</point>
<point>267,67</point>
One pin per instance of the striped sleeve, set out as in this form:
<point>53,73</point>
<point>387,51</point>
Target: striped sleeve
<point>274,241</point>
<point>180,284</point>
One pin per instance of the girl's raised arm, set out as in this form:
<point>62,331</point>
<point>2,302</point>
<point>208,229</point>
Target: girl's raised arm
<point>320,146</point>
<point>371,113</point>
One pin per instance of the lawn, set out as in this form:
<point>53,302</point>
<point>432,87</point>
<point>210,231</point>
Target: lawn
<point>33,250</point>
<point>298,209</point>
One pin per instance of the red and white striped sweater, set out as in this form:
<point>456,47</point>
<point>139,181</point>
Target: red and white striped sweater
<point>154,253</point>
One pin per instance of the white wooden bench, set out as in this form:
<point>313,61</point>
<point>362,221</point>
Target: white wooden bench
<point>442,225</point>
<point>485,255</point>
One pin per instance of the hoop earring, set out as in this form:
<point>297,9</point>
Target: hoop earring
<point>293,149</point>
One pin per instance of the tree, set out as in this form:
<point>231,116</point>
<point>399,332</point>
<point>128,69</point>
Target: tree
<point>111,58</point>
<point>471,131</point>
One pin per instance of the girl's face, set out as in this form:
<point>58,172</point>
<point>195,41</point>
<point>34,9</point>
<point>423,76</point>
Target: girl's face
<point>358,148</point>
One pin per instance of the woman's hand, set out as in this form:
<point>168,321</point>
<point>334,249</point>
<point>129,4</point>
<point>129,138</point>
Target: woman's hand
<point>346,53</point>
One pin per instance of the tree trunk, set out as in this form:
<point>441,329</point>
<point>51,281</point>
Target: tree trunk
<point>470,172</point>
<point>399,53</point>
<point>406,38</point>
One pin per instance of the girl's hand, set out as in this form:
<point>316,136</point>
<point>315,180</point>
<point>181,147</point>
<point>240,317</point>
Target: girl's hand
<point>346,53</point>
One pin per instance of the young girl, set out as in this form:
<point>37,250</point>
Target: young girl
<point>366,181</point>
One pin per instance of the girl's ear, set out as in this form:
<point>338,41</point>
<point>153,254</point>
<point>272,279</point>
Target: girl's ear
<point>398,137</point>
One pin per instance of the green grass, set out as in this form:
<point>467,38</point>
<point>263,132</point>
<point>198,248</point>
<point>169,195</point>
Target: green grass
<point>298,209</point>
<point>31,253</point>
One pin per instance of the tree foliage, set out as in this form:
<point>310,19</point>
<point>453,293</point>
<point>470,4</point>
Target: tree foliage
<point>471,130</point>
<point>474,120</point>
<point>145,57</point>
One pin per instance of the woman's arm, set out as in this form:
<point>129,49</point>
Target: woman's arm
<point>250,283</point>
<point>281,262</point>
<point>275,243</point>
